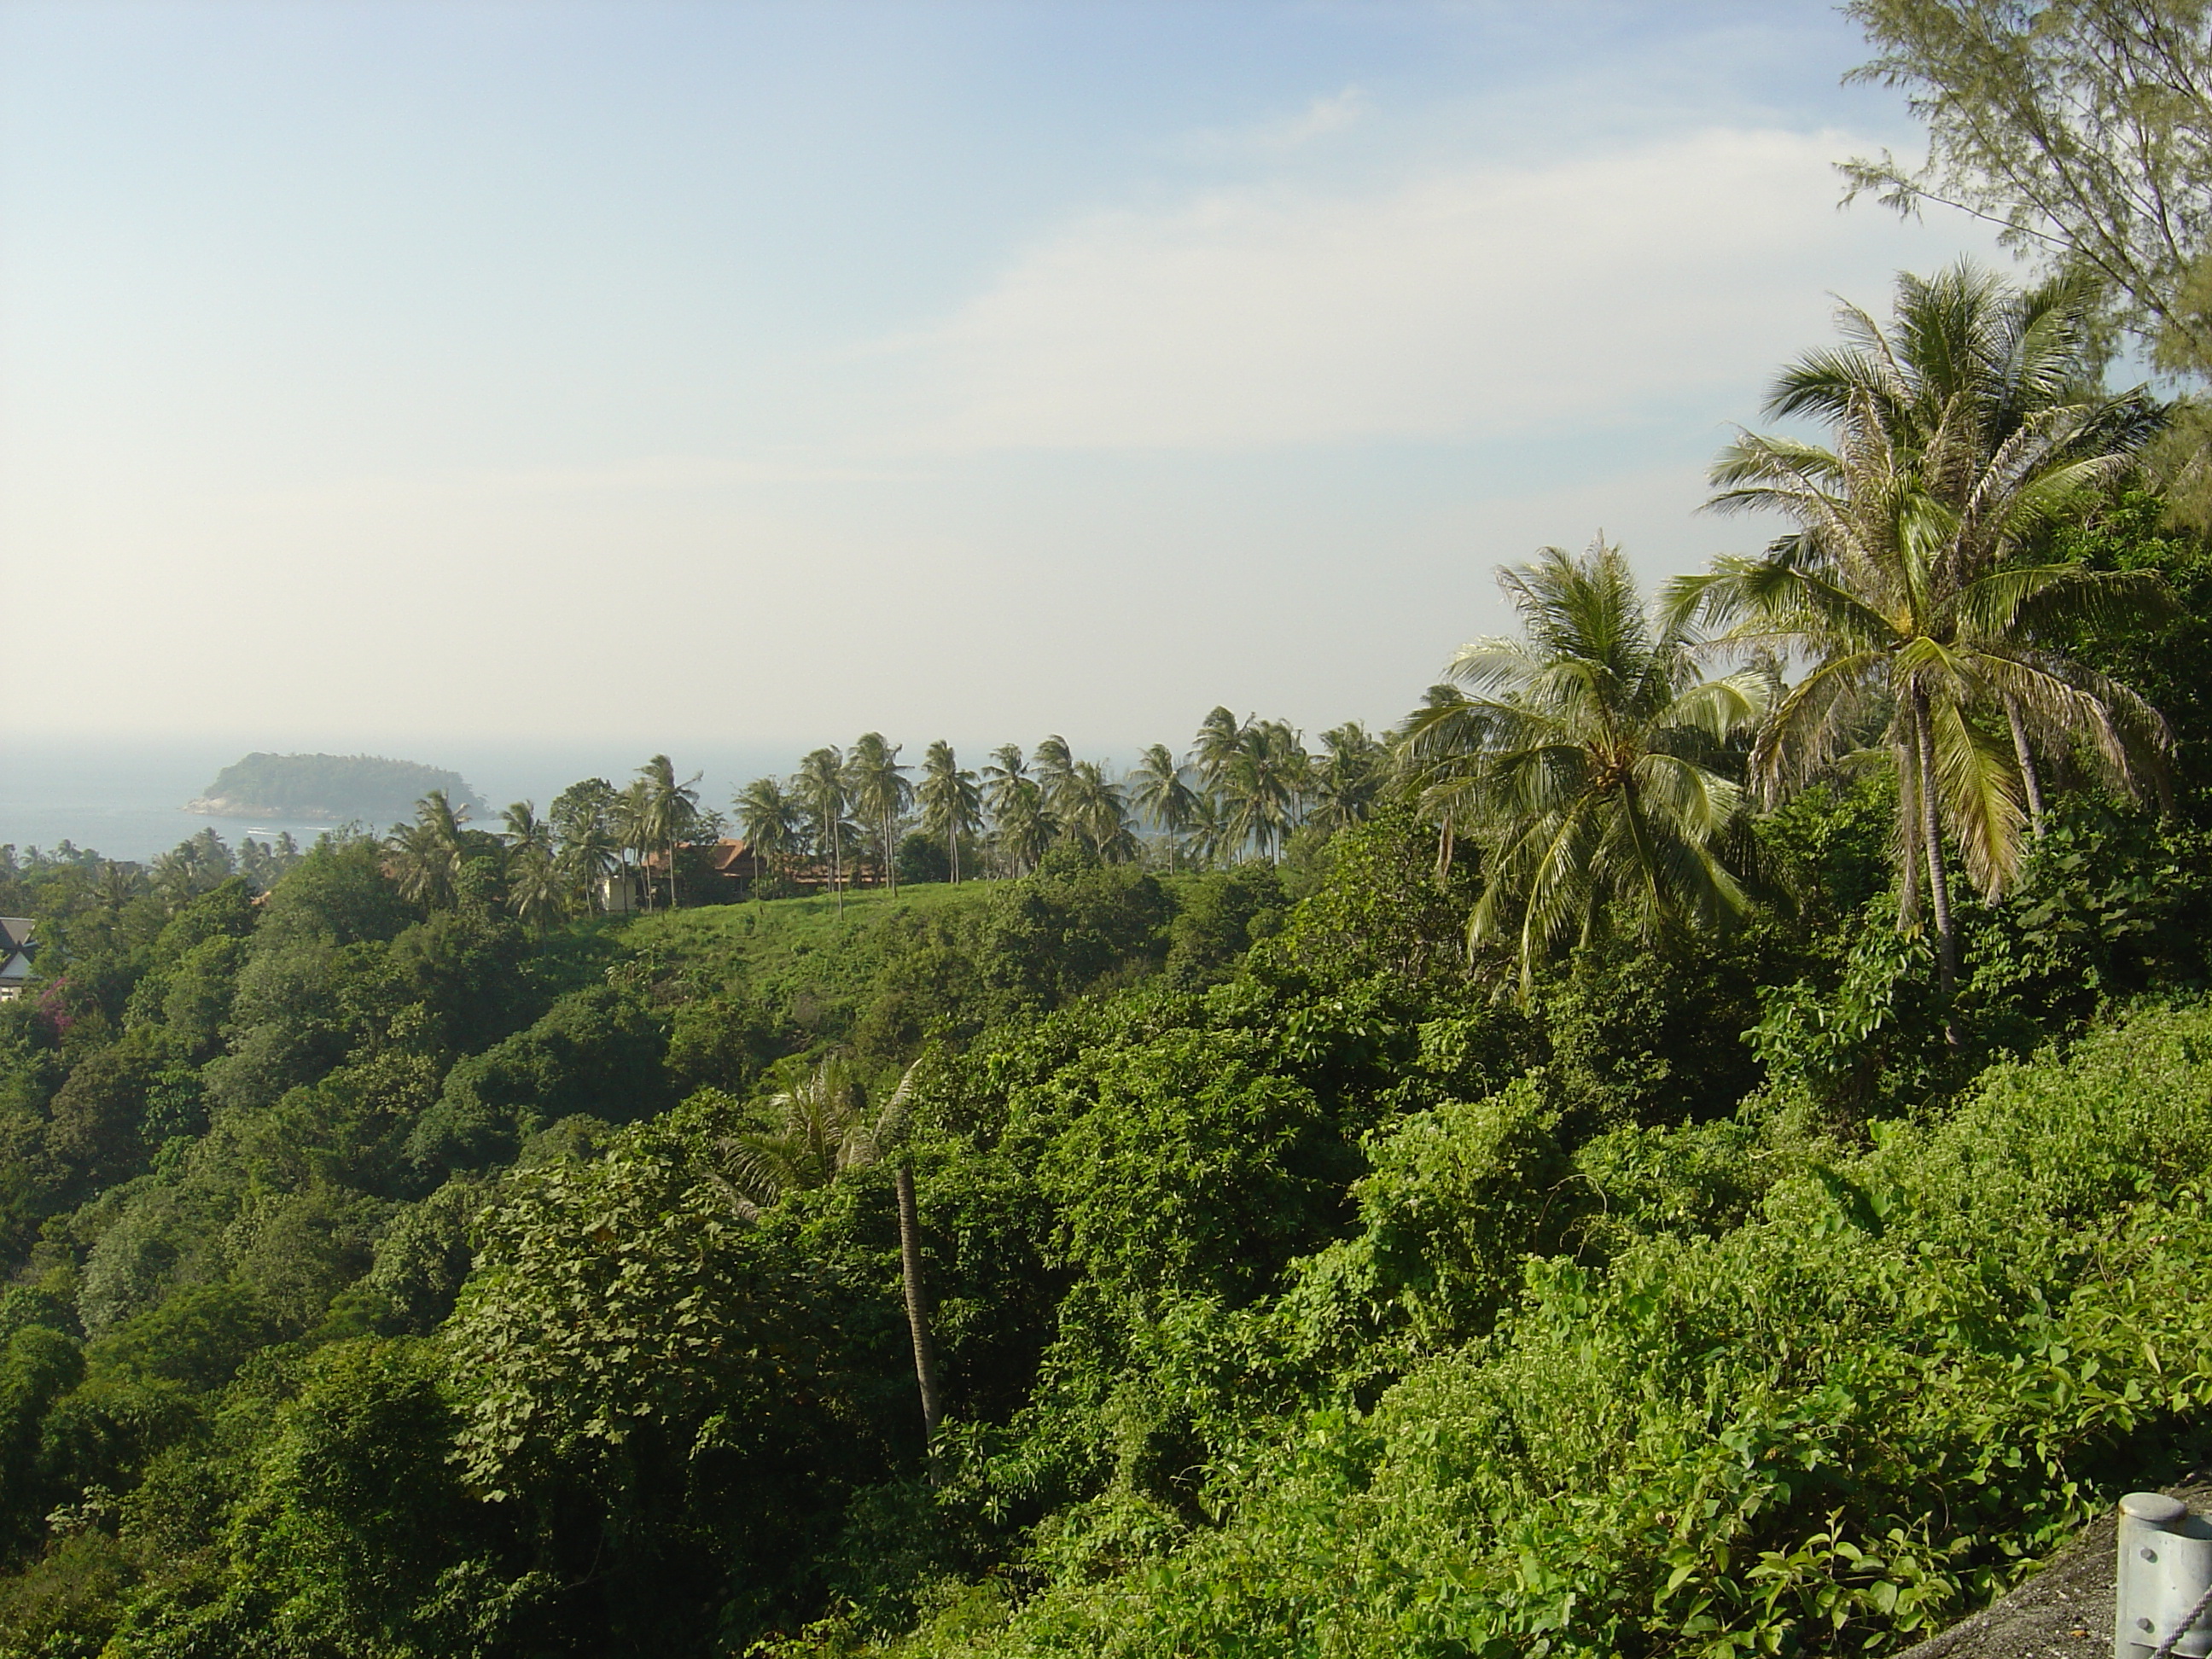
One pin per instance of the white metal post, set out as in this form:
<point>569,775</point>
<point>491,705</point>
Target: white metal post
<point>2165,1569</point>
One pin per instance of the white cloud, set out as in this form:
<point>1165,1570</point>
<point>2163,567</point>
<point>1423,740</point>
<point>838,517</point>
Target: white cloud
<point>1324,117</point>
<point>1468,303</point>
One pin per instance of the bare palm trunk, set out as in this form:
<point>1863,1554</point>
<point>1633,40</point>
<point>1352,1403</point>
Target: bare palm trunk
<point>1938,876</point>
<point>2031,781</point>
<point>917,1301</point>
<point>838,868</point>
<point>1908,789</point>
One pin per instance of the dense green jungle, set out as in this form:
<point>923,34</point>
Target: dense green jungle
<point>1694,1143</point>
<point>390,1274</point>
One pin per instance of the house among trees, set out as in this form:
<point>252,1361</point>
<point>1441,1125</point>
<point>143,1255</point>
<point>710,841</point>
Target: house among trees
<point>733,862</point>
<point>16,946</point>
<point>707,872</point>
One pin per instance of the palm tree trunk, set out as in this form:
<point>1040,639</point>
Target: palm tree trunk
<point>2030,781</point>
<point>1939,877</point>
<point>917,1301</point>
<point>1908,804</point>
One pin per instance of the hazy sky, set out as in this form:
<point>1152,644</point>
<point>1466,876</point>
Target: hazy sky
<point>376,375</point>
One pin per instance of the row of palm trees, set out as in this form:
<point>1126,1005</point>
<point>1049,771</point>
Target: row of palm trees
<point>1601,770</point>
<point>1241,789</point>
<point>559,864</point>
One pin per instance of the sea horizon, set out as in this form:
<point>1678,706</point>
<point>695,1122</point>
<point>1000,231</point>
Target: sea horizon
<point>124,797</point>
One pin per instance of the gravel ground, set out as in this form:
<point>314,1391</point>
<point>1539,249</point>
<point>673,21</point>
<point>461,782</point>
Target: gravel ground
<point>2064,1612</point>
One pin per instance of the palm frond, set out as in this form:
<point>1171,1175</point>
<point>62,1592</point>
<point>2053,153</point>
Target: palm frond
<point>1978,779</point>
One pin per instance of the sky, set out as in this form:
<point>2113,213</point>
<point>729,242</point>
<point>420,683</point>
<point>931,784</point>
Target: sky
<point>425,377</point>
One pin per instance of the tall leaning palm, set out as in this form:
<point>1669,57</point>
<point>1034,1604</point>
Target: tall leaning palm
<point>819,788</point>
<point>1985,386</point>
<point>1590,760</point>
<point>634,831</point>
<point>669,812</point>
<point>1157,790</point>
<point>827,1130</point>
<point>1006,777</point>
<point>880,794</point>
<point>951,806</point>
<point>1055,769</point>
<point>1959,435</point>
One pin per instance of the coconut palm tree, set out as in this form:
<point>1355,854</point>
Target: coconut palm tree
<point>1589,759</point>
<point>588,856</point>
<point>1972,366</point>
<point>1961,436</point>
<point>771,819</point>
<point>1005,774</point>
<point>533,882</point>
<point>582,819</point>
<point>117,885</point>
<point>825,1130</point>
<point>1260,782</point>
<point>1092,808</point>
<point>524,831</point>
<point>822,1127</point>
<point>820,790</point>
<point>1349,779</point>
<point>951,806</point>
<point>1216,743</point>
<point>880,794</point>
<point>1211,841</point>
<point>1430,779</point>
<point>634,830</point>
<point>1055,766</point>
<point>1159,793</point>
<point>668,813</point>
<point>427,855</point>
<point>1023,826</point>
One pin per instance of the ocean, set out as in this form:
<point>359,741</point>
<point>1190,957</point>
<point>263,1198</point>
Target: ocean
<point>124,797</point>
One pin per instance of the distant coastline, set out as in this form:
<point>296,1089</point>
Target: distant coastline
<point>222,807</point>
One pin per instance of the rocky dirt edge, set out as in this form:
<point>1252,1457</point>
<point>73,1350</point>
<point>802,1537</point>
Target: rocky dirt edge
<point>2063,1612</point>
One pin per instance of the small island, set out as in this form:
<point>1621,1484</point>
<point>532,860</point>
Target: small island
<point>328,788</point>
